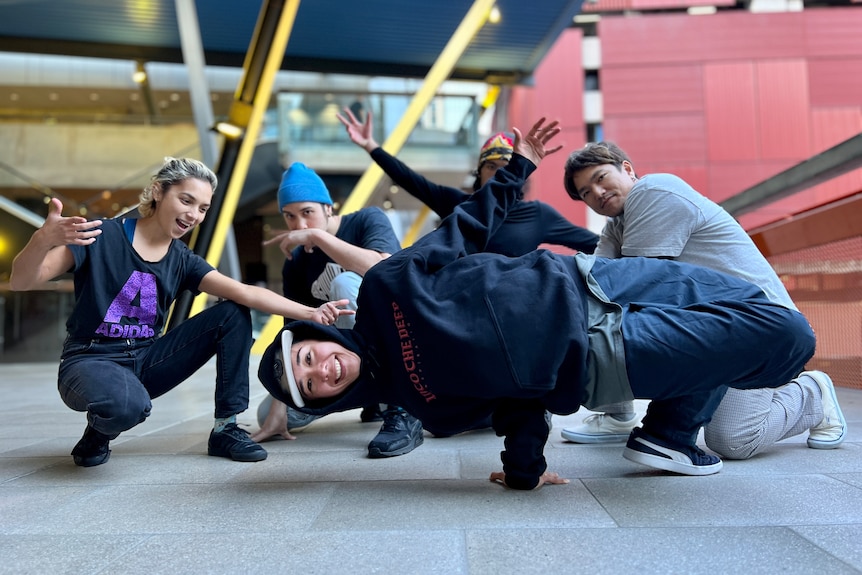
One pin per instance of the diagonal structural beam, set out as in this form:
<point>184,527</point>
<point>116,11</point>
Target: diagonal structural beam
<point>473,21</point>
<point>251,100</point>
<point>837,160</point>
<point>824,225</point>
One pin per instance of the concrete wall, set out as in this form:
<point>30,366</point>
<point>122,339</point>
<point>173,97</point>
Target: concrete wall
<point>90,156</point>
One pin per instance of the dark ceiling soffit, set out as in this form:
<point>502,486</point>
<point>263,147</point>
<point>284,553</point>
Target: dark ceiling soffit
<point>564,21</point>
<point>235,60</point>
<point>837,160</point>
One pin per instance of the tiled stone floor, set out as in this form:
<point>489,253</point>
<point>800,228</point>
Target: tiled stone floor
<point>318,505</point>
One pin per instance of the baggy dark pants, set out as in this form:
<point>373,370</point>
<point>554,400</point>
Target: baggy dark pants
<point>689,333</point>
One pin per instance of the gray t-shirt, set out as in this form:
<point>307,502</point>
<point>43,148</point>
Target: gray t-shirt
<point>664,217</point>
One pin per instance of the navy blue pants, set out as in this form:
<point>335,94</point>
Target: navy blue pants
<point>683,359</point>
<point>689,333</point>
<point>114,380</point>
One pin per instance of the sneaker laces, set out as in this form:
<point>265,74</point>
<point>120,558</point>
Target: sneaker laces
<point>235,431</point>
<point>597,417</point>
<point>394,420</point>
<point>699,457</point>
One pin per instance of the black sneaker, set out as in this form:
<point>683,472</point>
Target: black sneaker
<point>371,413</point>
<point>92,449</point>
<point>654,452</point>
<point>234,443</point>
<point>400,433</point>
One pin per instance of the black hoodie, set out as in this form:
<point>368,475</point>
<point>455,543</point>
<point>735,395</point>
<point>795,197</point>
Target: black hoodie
<point>453,334</point>
<point>527,225</point>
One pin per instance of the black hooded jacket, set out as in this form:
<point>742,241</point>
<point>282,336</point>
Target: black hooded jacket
<point>453,334</point>
<point>527,225</point>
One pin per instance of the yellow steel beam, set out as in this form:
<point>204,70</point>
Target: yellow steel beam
<point>413,232</point>
<point>491,97</point>
<point>442,68</point>
<point>249,116</point>
<point>416,227</point>
<point>473,21</point>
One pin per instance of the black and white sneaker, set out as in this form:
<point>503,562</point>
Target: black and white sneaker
<point>234,443</point>
<point>654,452</point>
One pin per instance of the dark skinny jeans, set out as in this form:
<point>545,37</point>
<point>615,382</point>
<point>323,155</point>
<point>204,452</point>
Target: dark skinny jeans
<point>114,380</point>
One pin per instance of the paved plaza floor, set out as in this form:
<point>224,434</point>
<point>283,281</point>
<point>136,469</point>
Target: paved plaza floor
<point>318,505</point>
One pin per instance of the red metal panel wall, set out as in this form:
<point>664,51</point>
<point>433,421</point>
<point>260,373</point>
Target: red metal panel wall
<point>677,38</point>
<point>562,69</point>
<point>694,174</point>
<point>776,89</point>
<point>521,107</point>
<point>831,126</point>
<point>832,32</point>
<point>783,107</point>
<point>659,4</point>
<point>835,81</point>
<point>621,5</point>
<point>729,108</point>
<point>606,6</point>
<point>659,138</point>
<point>650,89</point>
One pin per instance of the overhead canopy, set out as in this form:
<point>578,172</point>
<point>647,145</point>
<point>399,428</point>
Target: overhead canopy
<point>374,37</point>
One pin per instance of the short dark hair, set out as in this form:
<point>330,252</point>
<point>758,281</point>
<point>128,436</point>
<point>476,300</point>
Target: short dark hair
<point>593,154</point>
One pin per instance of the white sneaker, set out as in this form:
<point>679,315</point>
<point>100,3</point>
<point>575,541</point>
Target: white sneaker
<point>831,431</point>
<point>601,428</point>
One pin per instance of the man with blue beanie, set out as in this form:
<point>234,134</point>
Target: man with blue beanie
<point>325,255</point>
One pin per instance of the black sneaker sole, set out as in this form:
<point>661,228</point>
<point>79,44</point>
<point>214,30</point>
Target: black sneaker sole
<point>250,457</point>
<point>91,461</point>
<point>375,453</point>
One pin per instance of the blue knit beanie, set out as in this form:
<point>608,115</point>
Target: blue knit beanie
<point>301,184</point>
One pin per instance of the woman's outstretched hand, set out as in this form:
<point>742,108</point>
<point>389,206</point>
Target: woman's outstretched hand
<point>534,144</point>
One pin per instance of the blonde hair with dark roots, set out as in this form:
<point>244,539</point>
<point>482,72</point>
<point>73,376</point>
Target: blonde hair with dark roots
<point>173,172</point>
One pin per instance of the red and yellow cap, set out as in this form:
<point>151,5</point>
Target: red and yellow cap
<point>497,147</point>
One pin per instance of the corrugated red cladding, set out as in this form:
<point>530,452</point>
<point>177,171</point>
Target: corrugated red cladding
<point>835,81</point>
<point>620,5</point>
<point>652,89</point>
<point>558,95</point>
<point>734,97</point>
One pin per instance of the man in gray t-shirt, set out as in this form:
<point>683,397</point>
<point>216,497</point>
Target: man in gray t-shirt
<point>661,216</point>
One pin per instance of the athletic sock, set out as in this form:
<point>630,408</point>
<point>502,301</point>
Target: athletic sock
<point>222,422</point>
